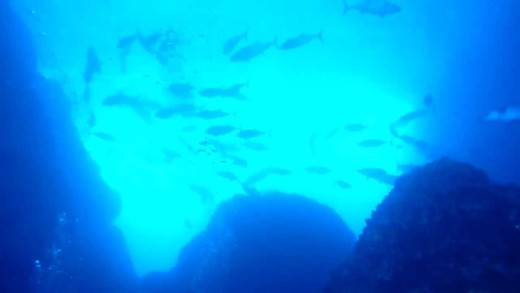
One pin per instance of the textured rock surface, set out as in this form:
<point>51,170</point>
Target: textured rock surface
<point>55,210</point>
<point>268,243</point>
<point>445,227</point>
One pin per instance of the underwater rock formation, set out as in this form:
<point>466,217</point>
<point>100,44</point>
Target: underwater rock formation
<point>445,227</point>
<point>269,243</point>
<point>55,210</point>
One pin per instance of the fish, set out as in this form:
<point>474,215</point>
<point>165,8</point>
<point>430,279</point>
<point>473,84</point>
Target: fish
<point>256,146</point>
<point>181,110</point>
<point>149,42</point>
<point>238,161</point>
<point>318,170</point>
<point>250,133</point>
<point>169,155</point>
<point>380,8</point>
<point>409,117</point>
<point>371,143</point>
<point>312,143</point>
<point>228,175</point>
<point>125,42</point>
<point>261,175</point>
<point>508,114</point>
<point>219,130</point>
<point>232,91</point>
<point>355,127</point>
<point>104,136</point>
<point>378,174</point>
<point>140,106</point>
<point>233,42</point>
<point>416,143</point>
<point>427,100</point>
<point>300,40</point>
<point>206,196</point>
<point>91,121</point>
<point>93,66</point>
<point>332,133</point>
<point>343,184</point>
<point>182,90</point>
<point>211,114</point>
<point>251,51</point>
<point>222,148</point>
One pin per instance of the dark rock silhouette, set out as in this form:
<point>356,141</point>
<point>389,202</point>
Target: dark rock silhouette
<point>269,243</point>
<point>55,211</point>
<point>445,227</point>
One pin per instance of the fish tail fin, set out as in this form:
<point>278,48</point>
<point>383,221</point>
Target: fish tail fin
<point>320,35</point>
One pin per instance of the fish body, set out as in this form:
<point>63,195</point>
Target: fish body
<point>509,114</point>
<point>211,92</point>
<point>93,66</point>
<point>343,184</point>
<point>211,114</point>
<point>140,106</point>
<point>380,8</point>
<point>222,148</point>
<point>251,51</point>
<point>219,130</point>
<point>233,42</point>
<point>181,90</point>
<point>104,136</point>
<point>206,196</point>
<point>371,143</point>
<point>355,127</point>
<point>250,133</point>
<point>232,91</point>
<point>378,175</point>
<point>318,170</point>
<point>228,175</point>
<point>181,110</point>
<point>428,100</point>
<point>169,155</point>
<point>300,40</point>
<point>409,117</point>
<point>149,42</point>
<point>416,143</point>
<point>238,161</point>
<point>256,146</point>
<point>261,175</point>
<point>125,42</point>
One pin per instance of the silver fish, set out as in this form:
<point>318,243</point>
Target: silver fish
<point>219,130</point>
<point>233,42</point>
<point>261,175</point>
<point>300,40</point>
<point>181,90</point>
<point>251,51</point>
<point>378,174</point>
<point>318,170</point>
<point>250,133</point>
<point>371,143</point>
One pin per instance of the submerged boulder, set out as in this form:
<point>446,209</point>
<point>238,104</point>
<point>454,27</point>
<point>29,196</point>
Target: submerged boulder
<point>445,227</point>
<point>268,243</point>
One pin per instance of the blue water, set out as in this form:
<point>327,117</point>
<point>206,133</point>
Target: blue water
<point>154,114</point>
